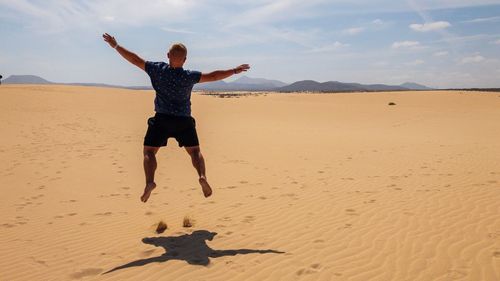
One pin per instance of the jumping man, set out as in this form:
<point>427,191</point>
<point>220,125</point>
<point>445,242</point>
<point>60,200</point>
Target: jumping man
<point>173,86</point>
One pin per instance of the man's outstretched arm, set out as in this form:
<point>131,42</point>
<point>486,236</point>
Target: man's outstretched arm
<point>126,54</point>
<point>223,74</point>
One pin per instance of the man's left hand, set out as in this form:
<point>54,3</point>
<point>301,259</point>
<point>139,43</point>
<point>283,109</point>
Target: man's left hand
<point>241,68</point>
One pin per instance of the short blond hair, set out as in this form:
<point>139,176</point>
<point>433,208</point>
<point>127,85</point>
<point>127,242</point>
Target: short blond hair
<point>178,50</point>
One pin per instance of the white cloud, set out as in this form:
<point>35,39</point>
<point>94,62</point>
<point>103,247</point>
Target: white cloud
<point>305,38</point>
<point>416,62</point>
<point>406,44</point>
<point>58,16</point>
<point>468,38</point>
<point>481,20</point>
<point>431,26</point>
<point>174,30</point>
<point>380,63</point>
<point>497,42</point>
<point>449,4</point>
<point>353,30</point>
<point>108,18</point>
<point>473,59</point>
<point>378,22</point>
<point>328,48</point>
<point>440,54</point>
<point>266,11</point>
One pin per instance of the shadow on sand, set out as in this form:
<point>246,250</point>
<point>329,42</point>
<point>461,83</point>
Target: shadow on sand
<point>191,248</point>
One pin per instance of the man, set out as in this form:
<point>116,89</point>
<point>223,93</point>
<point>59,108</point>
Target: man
<point>173,86</point>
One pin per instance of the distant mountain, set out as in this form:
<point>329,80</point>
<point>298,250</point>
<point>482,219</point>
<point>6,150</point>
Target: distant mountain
<point>415,86</point>
<point>25,79</point>
<point>243,83</point>
<point>33,79</point>
<point>109,86</point>
<point>335,86</point>
<point>258,81</point>
<point>313,86</point>
<point>246,83</point>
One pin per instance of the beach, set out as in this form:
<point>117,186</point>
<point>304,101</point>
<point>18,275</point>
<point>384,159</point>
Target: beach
<point>312,186</point>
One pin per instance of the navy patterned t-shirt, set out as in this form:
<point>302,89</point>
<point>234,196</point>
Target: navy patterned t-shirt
<point>173,87</point>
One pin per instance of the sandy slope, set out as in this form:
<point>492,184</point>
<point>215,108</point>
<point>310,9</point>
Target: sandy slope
<point>347,187</point>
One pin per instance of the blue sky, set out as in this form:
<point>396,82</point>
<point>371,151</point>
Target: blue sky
<point>447,43</point>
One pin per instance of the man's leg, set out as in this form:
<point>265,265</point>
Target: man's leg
<point>199,165</point>
<point>149,170</point>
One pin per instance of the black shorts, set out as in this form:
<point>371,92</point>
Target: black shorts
<point>164,126</point>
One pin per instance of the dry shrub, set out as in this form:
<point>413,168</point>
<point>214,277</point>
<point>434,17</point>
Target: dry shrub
<point>187,222</point>
<point>162,226</point>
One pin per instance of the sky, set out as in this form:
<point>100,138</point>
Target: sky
<point>440,43</point>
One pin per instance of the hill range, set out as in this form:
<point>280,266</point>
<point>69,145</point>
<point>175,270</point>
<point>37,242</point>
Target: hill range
<point>246,83</point>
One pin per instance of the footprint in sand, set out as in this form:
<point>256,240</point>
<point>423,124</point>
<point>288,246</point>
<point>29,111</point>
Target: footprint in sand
<point>7,225</point>
<point>41,262</point>
<point>86,272</point>
<point>103,214</point>
<point>147,253</point>
<point>314,268</point>
<point>456,274</point>
<point>248,219</point>
<point>316,265</point>
<point>351,212</point>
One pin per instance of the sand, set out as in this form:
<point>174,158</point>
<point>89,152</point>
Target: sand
<point>306,187</point>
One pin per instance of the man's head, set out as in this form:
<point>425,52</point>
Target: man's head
<point>177,55</point>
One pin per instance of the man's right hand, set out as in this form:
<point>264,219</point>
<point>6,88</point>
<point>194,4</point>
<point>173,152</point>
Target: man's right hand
<point>110,40</point>
<point>126,54</point>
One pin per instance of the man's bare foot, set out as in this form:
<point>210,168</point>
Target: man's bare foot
<point>207,190</point>
<point>147,191</point>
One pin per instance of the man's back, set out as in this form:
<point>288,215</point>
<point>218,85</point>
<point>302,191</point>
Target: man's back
<point>173,87</point>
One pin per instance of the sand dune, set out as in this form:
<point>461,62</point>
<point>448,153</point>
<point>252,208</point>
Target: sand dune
<point>306,187</point>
